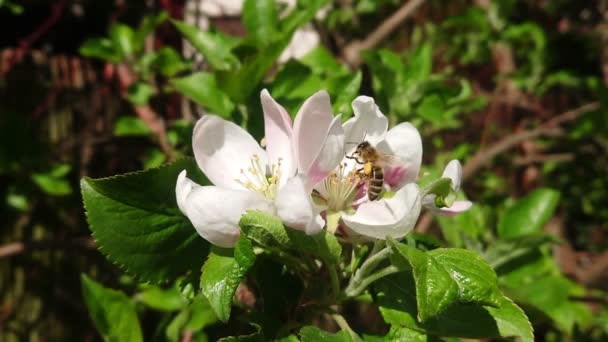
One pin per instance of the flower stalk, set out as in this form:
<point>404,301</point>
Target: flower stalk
<point>362,277</point>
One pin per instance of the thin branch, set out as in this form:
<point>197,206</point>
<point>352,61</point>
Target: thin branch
<point>353,50</point>
<point>343,324</point>
<point>145,112</point>
<point>543,158</point>
<point>485,156</point>
<point>548,128</point>
<point>18,248</point>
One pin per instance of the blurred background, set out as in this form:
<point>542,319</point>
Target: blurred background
<point>515,89</point>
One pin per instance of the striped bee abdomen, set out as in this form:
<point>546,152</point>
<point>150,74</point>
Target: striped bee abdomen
<point>375,183</point>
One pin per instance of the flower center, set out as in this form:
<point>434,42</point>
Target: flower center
<point>341,187</point>
<point>258,179</point>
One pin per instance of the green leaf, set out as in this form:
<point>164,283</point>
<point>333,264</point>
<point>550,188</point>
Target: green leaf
<point>432,108</point>
<point>54,181</point>
<point>253,69</point>
<point>257,336</point>
<point>445,276</point>
<point>303,12</point>
<point>419,64</point>
<point>407,334</point>
<point>551,294</point>
<point>192,318</point>
<point>112,312</point>
<point>396,296</point>
<point>321,61</point>
<point>314,334</point>
<point>101,48</point>
<point>269,231</point>
<point>529,214</point>
<point>343,90</point>
<point>135,220</point>
<point>504,253</point>
<point>210,45</point>
<point>261,20</point>
<point>169,62</point>
<point>161,299</point>
<point>139,93</point>
<point>131,126</point>
<point>202,88</point>
<point>123,39</point>
<point>222,273</point>
<point>295,81</point>
<point>146,27</point>
<point>201,314</point>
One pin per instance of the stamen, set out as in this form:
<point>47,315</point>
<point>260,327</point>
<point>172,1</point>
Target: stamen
<point>256,178</point>
<point>341,187</point>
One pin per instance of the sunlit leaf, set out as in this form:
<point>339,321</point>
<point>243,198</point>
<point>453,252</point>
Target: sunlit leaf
<point>112,312</point>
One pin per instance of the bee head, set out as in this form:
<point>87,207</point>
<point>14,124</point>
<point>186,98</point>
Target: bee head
<point>362,146</point>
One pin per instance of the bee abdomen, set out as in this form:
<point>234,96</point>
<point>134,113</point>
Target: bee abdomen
<point>376,182</point>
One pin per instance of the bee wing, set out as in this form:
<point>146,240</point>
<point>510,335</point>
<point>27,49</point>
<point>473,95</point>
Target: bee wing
<point>391,160</point>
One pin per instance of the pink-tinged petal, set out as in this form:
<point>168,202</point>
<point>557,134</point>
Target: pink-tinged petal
<point>278,135</point>
<point>296,209</point>
<point>310,129</point>
<point>453,171</point>
<point>368,123</point>
<point>330,156</point>
<point>222,149</point>
<point>215,212</point>
<point>394,217</point>
<point>402,141</point>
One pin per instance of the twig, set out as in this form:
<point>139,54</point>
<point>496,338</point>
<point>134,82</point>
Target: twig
<point>591,275</point>
<point>486,155</point>
<point>548,128</point>
<point>352,50</point>
<point>145,112</point>
<point>17,248</point>
<point>343,324</point>
<point>543,158</point>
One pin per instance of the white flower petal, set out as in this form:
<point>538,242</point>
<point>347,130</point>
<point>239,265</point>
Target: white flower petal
<point>453,171</point>
<point>310,129</point>
<point>368,123</point>
<point>456,208</point>
<point>404,142</point>
<point>215,212</point>
<point>331,154</point>
<point>393,217</point>
<point>278,135</point>
<point>222,149</point>
<point>183,187</point>
<point>296,209</point>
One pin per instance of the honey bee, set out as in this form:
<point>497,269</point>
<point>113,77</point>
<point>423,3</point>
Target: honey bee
<point>372,171</point>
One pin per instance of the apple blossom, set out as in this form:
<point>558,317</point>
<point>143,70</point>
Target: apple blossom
<point>452,171</point>
<point>247,177</point>
<point>343,198</point>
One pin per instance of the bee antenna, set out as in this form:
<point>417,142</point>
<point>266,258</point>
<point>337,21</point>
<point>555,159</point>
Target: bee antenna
<point>351,143</point>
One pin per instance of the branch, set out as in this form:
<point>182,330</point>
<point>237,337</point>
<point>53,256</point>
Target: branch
<point>17,248</point>
<point>548,128</point>
<point>353,50</point>
<point>485,156</point>
<point>145,112</point>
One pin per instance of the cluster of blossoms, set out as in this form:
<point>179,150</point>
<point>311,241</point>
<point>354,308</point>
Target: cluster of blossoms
<point>306,174</point>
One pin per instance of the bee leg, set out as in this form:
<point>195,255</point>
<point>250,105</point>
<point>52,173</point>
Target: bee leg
<point>355,159</point>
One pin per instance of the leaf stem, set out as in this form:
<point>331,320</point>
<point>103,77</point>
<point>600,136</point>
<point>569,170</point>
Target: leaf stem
<point>370,279</point>
<point>333,278</point>
<point>369,265</point>
<point>343,324</point>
